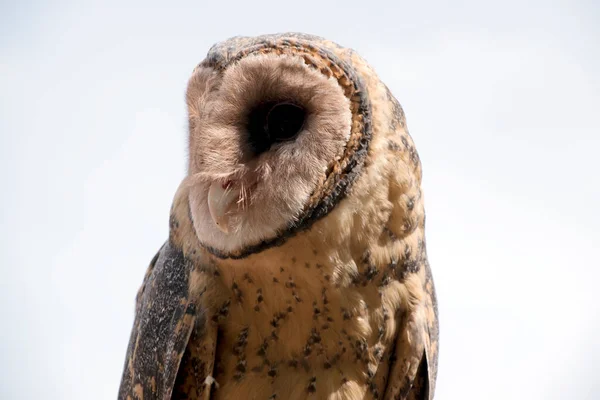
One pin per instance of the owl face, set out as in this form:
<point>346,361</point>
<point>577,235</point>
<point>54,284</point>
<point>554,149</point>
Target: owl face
<point>263,133</point>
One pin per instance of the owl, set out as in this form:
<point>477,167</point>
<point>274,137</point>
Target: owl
<point>296,264</point>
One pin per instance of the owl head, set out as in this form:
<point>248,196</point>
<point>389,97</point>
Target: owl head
<point>279,129</point>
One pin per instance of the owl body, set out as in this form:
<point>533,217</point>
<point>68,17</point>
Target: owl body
<point>313,282</point>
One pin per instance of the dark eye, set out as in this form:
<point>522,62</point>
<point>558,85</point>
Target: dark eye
<point>284,121</point>
<point>274,122</point>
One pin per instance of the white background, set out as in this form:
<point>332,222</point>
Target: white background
<point>502,100</point>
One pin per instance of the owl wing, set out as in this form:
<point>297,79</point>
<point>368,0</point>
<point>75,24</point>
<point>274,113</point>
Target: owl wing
<point>166,318</point>
<point>413,371</point>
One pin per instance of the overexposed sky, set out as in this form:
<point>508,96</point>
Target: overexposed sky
<point>502,99</point>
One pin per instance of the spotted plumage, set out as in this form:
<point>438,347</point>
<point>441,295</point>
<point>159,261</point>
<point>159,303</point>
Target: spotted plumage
<point>311,279</point>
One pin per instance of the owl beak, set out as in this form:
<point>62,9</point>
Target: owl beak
<point>221,198</point>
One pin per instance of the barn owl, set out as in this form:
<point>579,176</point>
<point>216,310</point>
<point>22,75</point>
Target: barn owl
<point>296,265</point>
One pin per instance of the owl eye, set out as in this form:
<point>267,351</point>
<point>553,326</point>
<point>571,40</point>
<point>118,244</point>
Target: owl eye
<point>272,122</point>
<point>284,121</point>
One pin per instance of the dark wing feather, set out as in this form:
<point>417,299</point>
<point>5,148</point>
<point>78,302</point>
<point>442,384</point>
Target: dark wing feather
<point>408,377</point>
<point>194,381</point>
<point>413,371</point>
<point>165,317</point>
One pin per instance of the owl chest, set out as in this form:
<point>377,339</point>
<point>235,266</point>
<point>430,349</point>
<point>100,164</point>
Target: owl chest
<point>291,340</point>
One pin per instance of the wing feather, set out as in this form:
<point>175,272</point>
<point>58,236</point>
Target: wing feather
<point>413,371</point>
<point>166,316</point>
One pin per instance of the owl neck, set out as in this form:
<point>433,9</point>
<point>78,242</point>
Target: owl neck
<point>353,245</point>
